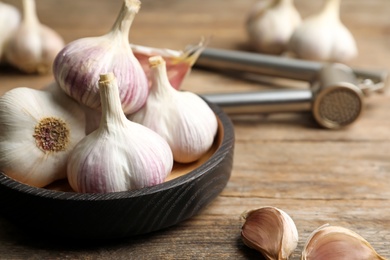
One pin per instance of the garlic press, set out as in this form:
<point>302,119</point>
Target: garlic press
<point>335,96</point>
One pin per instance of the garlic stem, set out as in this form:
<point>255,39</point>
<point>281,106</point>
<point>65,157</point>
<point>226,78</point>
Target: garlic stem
<point>112,113</point>
<point>30,13</point>
<point>332,9</point>
<point>125,18</point>
<point>159,75</point>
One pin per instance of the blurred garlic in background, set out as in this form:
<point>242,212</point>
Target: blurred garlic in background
<point>33,46</point>
<point>323,37</point>
<point>270,25</point>
<point>9,21</point>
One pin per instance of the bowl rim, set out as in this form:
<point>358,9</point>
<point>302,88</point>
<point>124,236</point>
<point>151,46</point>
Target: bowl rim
<point>227,139</point>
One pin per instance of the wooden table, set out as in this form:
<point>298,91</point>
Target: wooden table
<point>317,176</point>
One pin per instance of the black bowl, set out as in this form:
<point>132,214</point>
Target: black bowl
<point>55,211</point>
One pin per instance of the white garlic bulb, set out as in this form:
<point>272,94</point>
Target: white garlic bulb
<point>269,26</point>
<point>271,231</point>
<point>78,66</point>
<point>33,46</point>
<point>180,117</point>
<point>120,155</point>
<point>9,21</point>
<point>335,242</point>
<point>324,37</point>
<point>179,63</point>
<point>38,130</point>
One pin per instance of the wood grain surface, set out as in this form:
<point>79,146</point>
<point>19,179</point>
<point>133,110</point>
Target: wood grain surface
<point>285,160</point>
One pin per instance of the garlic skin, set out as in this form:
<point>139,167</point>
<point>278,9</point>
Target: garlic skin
<point>179,63</point>
<point>38,130</point>
<point>120,155</point>
<point>335,242</point>
<point>78,66</point>
<point>33,46</point>
<point>270,26</point>
<point>182,118</point>
<point>323,37</point>
<point>271,231</point>
<point>9,20</point>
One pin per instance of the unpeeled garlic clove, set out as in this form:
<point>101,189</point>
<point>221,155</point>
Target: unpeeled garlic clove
<point>182,118</point>
<point>323,37</point>
<point>269,26</point>
<point>120,155</point>
<point>33,46</point>
<point>9,22</point>
<point>38,131</point>
<point>78,66</point>
<point>271,231</point>
<point>337,243</point>
<point>179,63</point>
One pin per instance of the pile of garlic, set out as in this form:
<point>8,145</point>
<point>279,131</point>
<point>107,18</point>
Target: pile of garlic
<point>273,233</point>
<point>99,124</point>
<point>276,27</point>
<point>27,44</point>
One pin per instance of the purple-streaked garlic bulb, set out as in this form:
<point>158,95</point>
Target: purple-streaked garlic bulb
<point>78,66</point>
<point>181,117</point>
<point>120,155</point>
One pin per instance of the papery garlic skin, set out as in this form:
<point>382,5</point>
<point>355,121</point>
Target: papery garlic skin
<point>323,37</point>
<point>9,22</point>
<point>120,155</point>
<point>271,231</point>
<point>335,242</point>
<point>33,46</point>
<point>270,26</point>
<point>178,63</point>
<point>182,118</point>
<point>78,66</point>
<point>38,130</point>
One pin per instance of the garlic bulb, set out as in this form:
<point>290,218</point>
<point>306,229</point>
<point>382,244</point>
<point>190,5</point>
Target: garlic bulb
<point>120,155</point>
<point>78,66</point>
<point>183,119</point>
<point>269,26</point>
<point>179,63</point>
<point>38,130</point>
<point>271,231</point>
<point>323,37</point>
<point>334,242</point>
<point>9,20</point>
<point>33,46</point>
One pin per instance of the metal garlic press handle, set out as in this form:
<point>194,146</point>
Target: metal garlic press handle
<point>334,99</point>
<point>277,66</point>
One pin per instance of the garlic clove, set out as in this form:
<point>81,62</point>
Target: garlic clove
<point>271,231</point>
<point>334,242</point>
<point>120,155</point>
<point>33,46</point>
<point>9,20</point>
<point>182,118</point>
<point>323,37</point>
<point>38,130</point>
<point>78,66</point>
<point>270,26</point>
<point>179,63</point>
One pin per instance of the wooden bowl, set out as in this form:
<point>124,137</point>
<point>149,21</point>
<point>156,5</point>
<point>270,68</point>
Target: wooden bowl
<point>56,210</point>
